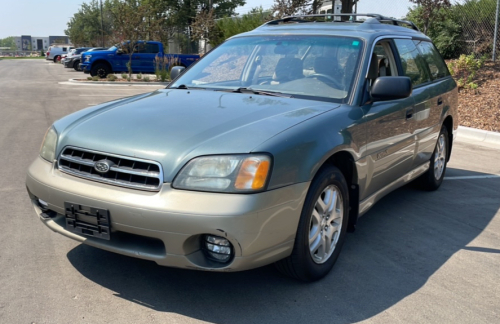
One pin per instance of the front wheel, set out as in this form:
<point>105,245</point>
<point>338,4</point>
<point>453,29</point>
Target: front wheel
<point>101,70</point>
<point>322,228</point>
<point>432,179</point>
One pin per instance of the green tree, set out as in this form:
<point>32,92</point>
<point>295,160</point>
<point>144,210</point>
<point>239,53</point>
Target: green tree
<point>430,11</point>
<point>8,42</point>
<point>446,32</point>
<point>231,26</point>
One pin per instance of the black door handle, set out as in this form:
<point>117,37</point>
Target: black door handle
<point>440,101</point>
<point>409,113</point>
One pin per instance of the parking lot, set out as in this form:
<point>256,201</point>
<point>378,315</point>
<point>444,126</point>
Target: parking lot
<point>415,257</point>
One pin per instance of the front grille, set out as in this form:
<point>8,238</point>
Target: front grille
<point>123,171</point>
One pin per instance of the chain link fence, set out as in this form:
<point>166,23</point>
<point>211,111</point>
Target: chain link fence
<point>467,27</point>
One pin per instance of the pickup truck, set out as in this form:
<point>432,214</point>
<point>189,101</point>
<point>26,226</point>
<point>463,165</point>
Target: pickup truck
<point>114,60</point>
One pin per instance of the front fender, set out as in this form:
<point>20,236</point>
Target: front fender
<point>300,151</point>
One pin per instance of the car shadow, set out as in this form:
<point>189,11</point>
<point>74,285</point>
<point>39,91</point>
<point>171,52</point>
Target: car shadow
<point>396,247</point>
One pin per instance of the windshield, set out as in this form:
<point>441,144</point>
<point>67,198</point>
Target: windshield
<point>112,48</point>
<point>300,66</point>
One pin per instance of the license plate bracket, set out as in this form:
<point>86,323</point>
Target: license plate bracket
<point>89,221</point>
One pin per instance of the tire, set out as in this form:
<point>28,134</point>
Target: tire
<point>101,70</point>
<point>75,65</point>
<point>56,58</point>
<point>307,262</point>
<point>431,180</point>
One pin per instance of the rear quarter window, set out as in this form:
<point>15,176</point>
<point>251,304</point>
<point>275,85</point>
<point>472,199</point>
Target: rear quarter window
<point>435,62</point>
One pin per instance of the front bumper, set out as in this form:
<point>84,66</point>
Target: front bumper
<point>84,67</point>
<point>166,226</point>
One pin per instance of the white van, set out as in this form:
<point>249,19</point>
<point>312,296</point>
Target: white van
<point>55,52</point>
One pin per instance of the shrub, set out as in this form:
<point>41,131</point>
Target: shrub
<point>96,78</point>
<point>464,70</point>
<point>163,65</point>
<point>89,78</point>
<point>146,79</point>
<point>124,75</point>
<point>139,76</point>
<point>111,77</point>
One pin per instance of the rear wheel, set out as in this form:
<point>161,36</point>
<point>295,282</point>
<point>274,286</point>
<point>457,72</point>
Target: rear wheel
<point>432,179</point>
<point>76,66</point>
<point>101,70</point>
<point>57,59</point>
<point>322,228</point>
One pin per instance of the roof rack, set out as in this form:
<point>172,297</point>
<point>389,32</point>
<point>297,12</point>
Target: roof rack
<point>374,18</point>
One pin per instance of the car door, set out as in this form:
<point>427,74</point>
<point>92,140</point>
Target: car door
<point>147,55</point>
<point>390,144</point>
<point>432,100</point>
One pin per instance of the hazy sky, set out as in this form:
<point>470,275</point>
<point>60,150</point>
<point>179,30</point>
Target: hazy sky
<point>49,17</point>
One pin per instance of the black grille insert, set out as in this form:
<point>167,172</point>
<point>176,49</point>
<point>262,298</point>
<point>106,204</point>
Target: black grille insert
<point>123,171</point>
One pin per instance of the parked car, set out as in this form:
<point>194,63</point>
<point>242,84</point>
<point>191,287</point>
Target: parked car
<point>74,60</point>
<point>55,52</point>
<point>114,60</point>
<point>266,150</point>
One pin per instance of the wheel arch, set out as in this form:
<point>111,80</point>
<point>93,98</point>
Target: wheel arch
<point>344,161</point>
<point>448,123</point>
<point>101,61</point>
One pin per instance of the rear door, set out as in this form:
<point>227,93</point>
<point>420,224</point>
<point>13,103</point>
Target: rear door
<point>147,56</point>
<point>433,101</point>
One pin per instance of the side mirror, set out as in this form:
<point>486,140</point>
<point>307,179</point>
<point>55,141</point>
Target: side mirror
<point>176,71</point>
<point>391,88</point>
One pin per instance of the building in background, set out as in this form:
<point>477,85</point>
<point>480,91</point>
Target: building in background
<point>37,43</point>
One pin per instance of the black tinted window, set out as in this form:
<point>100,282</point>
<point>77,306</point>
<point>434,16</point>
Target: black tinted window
<point>437,66</point>
<point>412,61</point>
<point>150,48</point>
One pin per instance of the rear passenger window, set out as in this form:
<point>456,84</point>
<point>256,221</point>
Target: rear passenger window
<point>433,59</point>
<point>64,49</point>
<point>413,63</point>
<point>150,49</point>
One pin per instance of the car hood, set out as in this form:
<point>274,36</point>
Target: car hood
<point>102,52</point>
<point>173,126</point>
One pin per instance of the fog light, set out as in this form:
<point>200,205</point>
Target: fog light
<point>217,248</point>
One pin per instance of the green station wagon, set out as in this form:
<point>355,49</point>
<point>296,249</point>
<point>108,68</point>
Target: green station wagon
<point>267,150</point>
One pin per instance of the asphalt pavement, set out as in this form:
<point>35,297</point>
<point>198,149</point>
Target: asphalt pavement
<point>416,257</point>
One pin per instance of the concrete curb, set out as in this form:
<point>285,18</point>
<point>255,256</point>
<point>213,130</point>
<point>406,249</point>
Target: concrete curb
<point>121,84</point>
<point>479,135</point>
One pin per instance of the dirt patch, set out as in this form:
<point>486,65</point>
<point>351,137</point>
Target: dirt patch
<point>480,108</point>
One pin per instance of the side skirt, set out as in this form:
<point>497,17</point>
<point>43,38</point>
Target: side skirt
<point>368,202</point>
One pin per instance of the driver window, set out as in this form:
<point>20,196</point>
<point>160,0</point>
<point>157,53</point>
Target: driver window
<point>385,65</point>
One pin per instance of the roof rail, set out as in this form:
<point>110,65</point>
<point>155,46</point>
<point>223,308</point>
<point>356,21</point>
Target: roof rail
<point>352,19</point>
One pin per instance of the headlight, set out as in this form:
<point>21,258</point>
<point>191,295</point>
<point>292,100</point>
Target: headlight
<point>87,58</point>
<point>225,173</point>
<point>48,149</point>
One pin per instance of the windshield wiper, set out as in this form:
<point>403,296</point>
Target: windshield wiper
<point>257,92</point>
<point>182,86</point>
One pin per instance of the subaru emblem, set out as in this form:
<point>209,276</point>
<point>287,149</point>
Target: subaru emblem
<point>102,166</point>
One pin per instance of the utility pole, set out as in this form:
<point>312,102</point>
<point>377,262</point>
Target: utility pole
<point>102,27</point>
<point>496,33</point>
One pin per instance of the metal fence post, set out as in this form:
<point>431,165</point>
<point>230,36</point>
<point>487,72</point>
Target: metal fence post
<point>496,33</point>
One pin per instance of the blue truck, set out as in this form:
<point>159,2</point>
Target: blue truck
<point>114,60</point>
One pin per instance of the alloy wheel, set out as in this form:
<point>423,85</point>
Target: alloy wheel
<point>440,157</point>
<point>326,224</point>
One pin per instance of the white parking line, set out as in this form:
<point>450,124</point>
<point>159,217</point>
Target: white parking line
<point>111,95</point>
<point>489,176</point>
